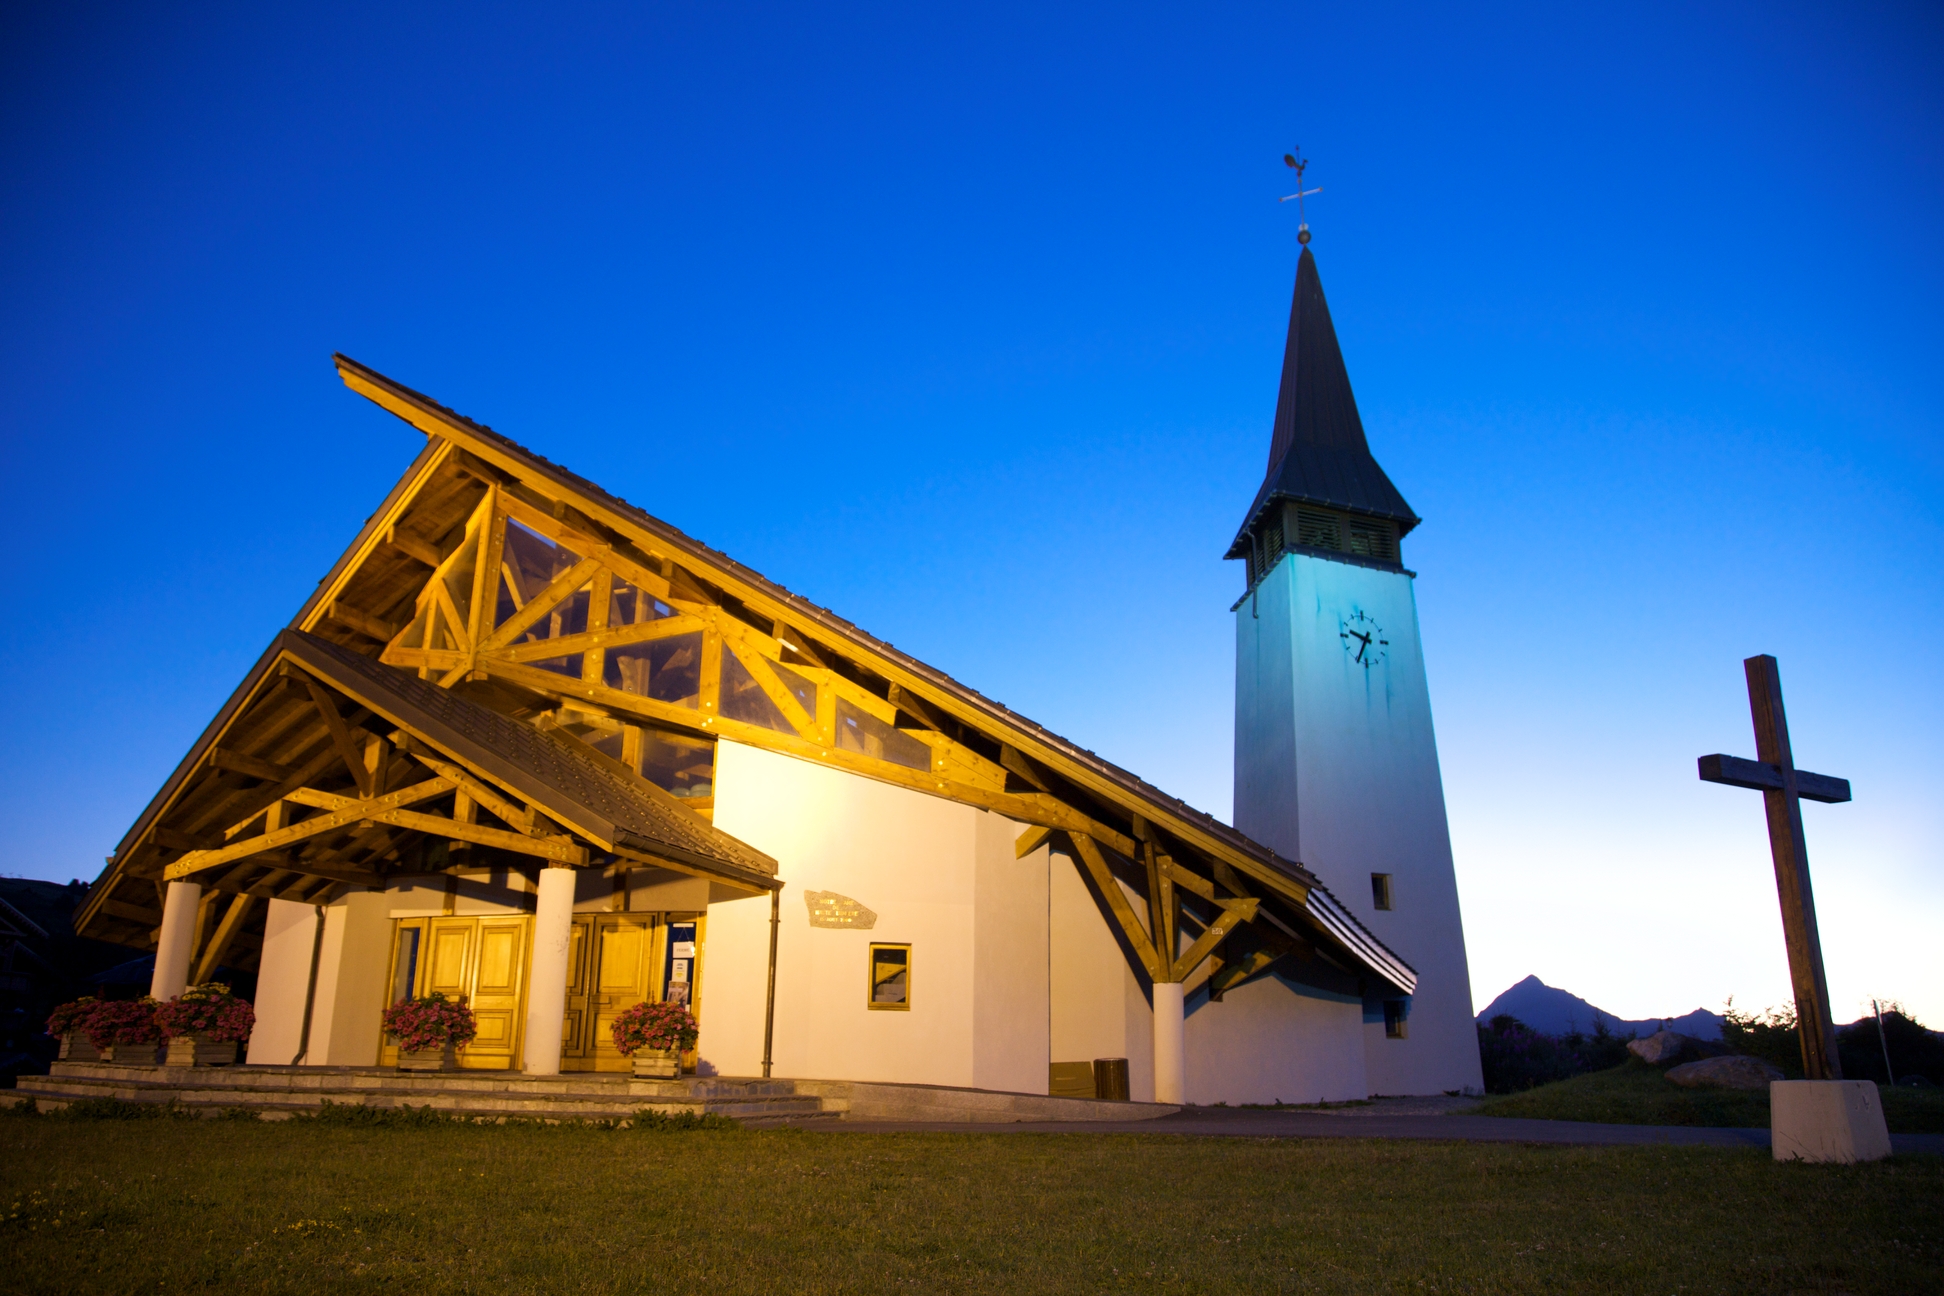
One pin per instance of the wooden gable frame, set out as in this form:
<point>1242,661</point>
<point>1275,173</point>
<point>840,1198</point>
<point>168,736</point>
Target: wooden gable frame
<point>430,588</point>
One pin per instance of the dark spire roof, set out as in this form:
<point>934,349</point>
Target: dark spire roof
<point>1317,453</point>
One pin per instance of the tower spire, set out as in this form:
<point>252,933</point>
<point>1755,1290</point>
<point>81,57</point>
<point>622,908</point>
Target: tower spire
<point>1317,451</point>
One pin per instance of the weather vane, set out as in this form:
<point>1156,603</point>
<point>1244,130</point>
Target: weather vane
<point>1296,162</point>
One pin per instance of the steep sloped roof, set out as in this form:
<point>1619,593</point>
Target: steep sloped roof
<point>1317,450</point>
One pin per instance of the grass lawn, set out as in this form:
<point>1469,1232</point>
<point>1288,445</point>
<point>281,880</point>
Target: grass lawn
<point>311,1206</point>
<point>1637,1094</point>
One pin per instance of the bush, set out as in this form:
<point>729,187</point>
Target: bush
<point>1770,1036</point>
<point>1914,1051</point>
<point>665,1122</point>
<point>209,1010</point>
<point>1515,1057</point>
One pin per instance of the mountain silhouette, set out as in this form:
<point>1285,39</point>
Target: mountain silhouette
<point>1560,1012</point>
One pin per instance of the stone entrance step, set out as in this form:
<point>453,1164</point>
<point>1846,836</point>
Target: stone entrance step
<point>284,1090</point>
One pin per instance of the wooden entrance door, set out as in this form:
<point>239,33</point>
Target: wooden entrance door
<point>610,969</point>
<point>481,961</point>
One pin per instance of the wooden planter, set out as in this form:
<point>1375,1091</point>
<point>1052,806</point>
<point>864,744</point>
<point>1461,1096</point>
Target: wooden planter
<point>77,1047</point>
<point>438,1059</point>
<point>657,1064</point>
<point>130,1054</point>
<point>198,1049</point>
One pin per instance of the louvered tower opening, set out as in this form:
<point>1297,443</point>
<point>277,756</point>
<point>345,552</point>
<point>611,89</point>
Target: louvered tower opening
<point>1304,528</point>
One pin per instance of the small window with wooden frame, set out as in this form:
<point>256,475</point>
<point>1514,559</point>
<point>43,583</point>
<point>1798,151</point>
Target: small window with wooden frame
<point>1380,890</point>
<point>890,983</point>
<point>1396,1019</point>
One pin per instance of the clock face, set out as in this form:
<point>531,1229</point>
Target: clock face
<point>1364,640</point>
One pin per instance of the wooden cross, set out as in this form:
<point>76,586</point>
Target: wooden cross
<point>1782,786</point>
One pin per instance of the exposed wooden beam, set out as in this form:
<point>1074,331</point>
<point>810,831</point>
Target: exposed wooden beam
<point>1010,758</point>
<point>129,912</point>
<point>542,603</point>
<point>330,821</point>
<point>1233,912</point>
<point>1031,840</point>
<point>356,618</point>
<point>170,839</point>
<point>410,543</point>
<point>916,707</point>
<point>228,758</point>
<point>219,941</point>
<point>1137,937</point>
<point>347,748</point>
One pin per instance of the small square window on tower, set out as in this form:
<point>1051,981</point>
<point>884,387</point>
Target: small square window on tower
<point>1396,1023</point>
<point>890,978</point>
<point>1380,890</point>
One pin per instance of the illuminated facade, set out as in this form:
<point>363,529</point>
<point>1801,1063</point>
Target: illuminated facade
<point>528,745</point>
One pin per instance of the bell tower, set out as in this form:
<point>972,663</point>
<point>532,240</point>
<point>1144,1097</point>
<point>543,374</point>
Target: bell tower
<point>1336,763</point>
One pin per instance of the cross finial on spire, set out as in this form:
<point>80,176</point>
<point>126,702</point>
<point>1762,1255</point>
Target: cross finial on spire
<point>1297,162</point>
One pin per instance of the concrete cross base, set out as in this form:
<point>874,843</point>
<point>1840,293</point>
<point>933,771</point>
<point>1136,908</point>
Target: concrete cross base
<point>1827,1120</point>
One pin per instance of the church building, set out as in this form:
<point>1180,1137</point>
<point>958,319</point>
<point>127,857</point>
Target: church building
<point>528,745</point>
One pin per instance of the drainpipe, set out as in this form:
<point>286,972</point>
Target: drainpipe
<point>769,1005</point>
<point>310,990</point>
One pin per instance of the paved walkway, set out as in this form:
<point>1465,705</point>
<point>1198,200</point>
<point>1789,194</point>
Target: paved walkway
<point>1387,1119</point>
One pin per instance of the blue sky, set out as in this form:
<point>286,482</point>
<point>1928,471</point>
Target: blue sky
<point>966,323</point>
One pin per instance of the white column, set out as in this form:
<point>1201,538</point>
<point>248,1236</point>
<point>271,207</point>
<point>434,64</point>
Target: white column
<point>553,932</point>
<point>1170,1044</point>
<point>172,951</point>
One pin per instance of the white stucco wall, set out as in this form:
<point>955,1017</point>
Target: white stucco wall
<point>939,876</point>
<point>1337,766</point>
<point>283,976</point>
<point>1099,1007</point>
<point>345,1018</point>
<point>1272,1040</point>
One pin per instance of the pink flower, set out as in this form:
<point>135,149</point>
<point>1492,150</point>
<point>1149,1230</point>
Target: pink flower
<point>430,1023</point>
<point>123,1021</point>
<point>209,1010</point>
<point>654,1026</point>
<point>71,1018</point>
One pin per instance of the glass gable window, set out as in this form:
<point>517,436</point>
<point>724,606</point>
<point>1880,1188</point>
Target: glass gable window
<point>677,764</point>
<point>667,670</point>
<point>891,977</point>
<point>528,564</point>
<point>629,604</point>
<point>743,698</point>
<point>860,731</point>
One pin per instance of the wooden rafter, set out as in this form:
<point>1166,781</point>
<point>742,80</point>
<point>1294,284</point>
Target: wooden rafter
<point>349,812</point>
<point>1109,888</point>
<point>219,940</point>
<point>347,749</point>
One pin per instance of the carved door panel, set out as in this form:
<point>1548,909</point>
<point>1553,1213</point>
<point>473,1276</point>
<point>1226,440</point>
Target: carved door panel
<point>624,948</point>
<point>498,1001</point>
<point>576,1028</point>
<point>449,957</point>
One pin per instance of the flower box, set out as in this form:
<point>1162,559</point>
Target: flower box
<point>77,1047</point>
<point>427,1059</point>
<point>657,1064</point>
<point>203,1025</point>
<point>130,1054</point>
<point>198,1049</point>
<point>428,1031</point>
<point>655,1035</point>
<point>124,1031</point>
